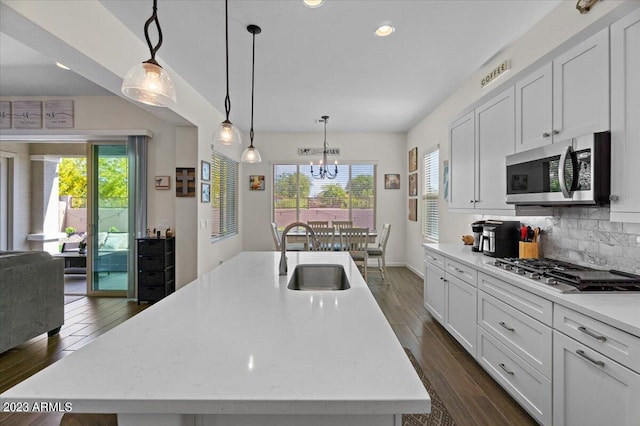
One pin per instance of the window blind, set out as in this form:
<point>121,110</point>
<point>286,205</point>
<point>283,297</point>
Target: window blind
<point>430,195</point>
<point>298,196</point>
<point>224,196</point>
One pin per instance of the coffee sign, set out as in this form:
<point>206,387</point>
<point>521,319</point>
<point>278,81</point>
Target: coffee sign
<point>495,73</point>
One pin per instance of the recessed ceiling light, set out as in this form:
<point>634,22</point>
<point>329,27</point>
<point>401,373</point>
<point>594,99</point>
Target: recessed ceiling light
<point>63,66</point>
<point>384,30</point>
<point>313,3</point>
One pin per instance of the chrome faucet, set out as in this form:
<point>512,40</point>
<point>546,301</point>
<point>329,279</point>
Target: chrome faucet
<point>283,243</point>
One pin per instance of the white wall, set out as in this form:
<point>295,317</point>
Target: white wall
<point>387,150</point>
<point>550,33</point>
<point>22,195</point>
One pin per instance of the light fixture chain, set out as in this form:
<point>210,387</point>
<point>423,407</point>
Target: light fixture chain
<point>253,72</point>
<point>153,18</point>
<point>227,100</point>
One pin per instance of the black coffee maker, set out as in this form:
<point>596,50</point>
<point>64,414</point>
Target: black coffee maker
<point>500,238</point>
<point>477,228</point>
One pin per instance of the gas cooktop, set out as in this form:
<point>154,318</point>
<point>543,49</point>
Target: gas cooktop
<point>565,277</point>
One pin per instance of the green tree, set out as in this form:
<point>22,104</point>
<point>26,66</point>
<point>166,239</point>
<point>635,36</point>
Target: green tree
<point>72,174</point>
<point>112,178</point>
<point>333,195</point>
<point>361,186</point>
<point>286,185</point>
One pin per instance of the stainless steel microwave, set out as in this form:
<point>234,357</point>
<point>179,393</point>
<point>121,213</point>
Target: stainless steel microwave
<point>575,171</point>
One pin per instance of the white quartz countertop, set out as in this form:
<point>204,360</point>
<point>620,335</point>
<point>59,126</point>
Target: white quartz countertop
<point>236,340</point>
<point>619,309</point>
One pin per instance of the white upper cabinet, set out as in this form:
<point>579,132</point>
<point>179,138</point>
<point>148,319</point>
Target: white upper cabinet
<point>462,163</point>
<point>534,109</point>
<point>494,141</point>
<point>625,119</point>
<point>566,98</point>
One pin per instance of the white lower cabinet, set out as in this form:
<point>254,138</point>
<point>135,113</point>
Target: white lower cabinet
<point>434,291</point>
<point>526,384</point>
<point>460,319</point>
<point>590,389</point>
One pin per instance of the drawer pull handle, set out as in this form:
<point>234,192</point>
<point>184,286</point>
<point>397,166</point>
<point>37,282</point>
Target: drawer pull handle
<point>505,369</point>
<point>588,332</point>
<point>506,326</point>
<point>588,358</point>
<point>432,258</point>
<point>459,270</point>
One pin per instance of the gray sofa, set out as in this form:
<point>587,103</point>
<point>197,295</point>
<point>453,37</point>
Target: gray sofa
<point>31,296</point>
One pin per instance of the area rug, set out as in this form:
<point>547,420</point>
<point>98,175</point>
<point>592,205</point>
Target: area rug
<point>439,415</point>
<point>69,299</point>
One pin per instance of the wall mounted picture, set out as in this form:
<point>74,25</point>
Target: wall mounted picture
<point>392,181</point>
<point>413,185</point>
<point>163,182</point>
<point>413,160</point>
<point>256,183</point>
<point>5,115</point>
<point>445,179</point>
<point>185,182</point>
<point>413,209</point>
<point>205,171</point>
<point>58,114</point>
<point>205,193</point>
<point>27,114</point>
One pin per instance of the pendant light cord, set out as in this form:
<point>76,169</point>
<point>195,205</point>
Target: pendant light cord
<point>153,18</point>
<point>227,100</point>
<point>253,71</point>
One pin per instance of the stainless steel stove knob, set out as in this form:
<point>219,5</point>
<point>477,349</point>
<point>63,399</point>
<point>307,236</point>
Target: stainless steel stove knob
<point>520,271</point>
<point>497,263</point>
<point>534,275</point>
<point>508,267</point>
<point>551,281</point>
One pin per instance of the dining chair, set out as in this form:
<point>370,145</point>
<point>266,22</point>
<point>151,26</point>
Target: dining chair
<point>324,239</point>
<point>379,251</point>
<point>339,224</point>
<point>355,241</point>
<point>318,223</point>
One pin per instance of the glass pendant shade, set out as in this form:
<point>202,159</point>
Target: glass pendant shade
<point>251,155</point>
<point>150,84</point>
<point>227,134</point>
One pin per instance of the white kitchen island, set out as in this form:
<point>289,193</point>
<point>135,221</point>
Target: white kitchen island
<point>236,347</point>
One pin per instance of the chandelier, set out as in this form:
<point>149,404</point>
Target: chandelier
<point>324,172</point>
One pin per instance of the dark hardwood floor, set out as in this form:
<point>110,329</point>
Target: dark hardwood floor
<point>470,394</point>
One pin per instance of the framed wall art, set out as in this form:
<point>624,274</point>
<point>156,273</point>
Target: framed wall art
<point>205,192</point>
<point>5,115</point>
<point>58,114</point>
<point>413,185</point>
<point>185,182</point>
<point>413,160</point>
<point>392,181</point>
<point>256,182</point>
<point>205,171</point>
<point>413,209</point>
<point>27,114</point>
<point>163,182</point>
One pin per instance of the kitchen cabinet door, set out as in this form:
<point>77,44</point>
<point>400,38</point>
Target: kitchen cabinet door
<point>581,89</point>
<point>625,119</point>
<point>534,113</point>
<point>462,162</point>
<point>461,308</point>
<point>590,389</point>
<point>495,139</point>
<point>434,292</point>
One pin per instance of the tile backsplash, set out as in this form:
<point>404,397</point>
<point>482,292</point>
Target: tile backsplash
<point>584,235</point>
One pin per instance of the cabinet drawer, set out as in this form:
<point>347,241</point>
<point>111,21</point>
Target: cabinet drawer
<point>151,263</point>
<point>532,305</point>
<point>526,337</point>
<point>610,341</point>
<point>151,293</point>
<point>461,271</point>
<point>529,387</point>
<point>434,258</point>
<point>151,247</point>
<point>154,278</point>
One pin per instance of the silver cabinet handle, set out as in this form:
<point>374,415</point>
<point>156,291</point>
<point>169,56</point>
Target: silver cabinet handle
<point>506,326</point>
<point>459,270</point>
<point>566,192</point>
<point>471,201</point>
<point>588,358</point>
<point>432,258</point>
<point>546,134</point>
<point>506,370</point>
<point>555,132</point>
<point>442,278</point>
<point>588,332</point>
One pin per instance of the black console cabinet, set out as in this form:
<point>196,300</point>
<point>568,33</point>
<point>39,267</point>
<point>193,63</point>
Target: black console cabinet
<point>156,268</point>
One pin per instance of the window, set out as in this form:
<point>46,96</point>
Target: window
<point>297,196</point>
<point>224,196</point>
<point>430,195</point>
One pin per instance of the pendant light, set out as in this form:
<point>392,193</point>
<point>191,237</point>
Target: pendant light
<point>148,82</point>
<point>227,133</point>
<point>252,155</point>
<point>324,172</point>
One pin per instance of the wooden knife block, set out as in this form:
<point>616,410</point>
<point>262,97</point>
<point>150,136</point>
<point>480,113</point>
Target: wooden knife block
<point>529,250</point>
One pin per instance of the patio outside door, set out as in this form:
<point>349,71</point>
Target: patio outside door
<point>110,220</point>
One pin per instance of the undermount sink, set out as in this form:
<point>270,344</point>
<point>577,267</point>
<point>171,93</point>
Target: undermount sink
<point>319,278</point>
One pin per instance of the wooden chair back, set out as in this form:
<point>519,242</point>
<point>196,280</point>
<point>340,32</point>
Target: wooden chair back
<point>324,239</point>
<point>318,223</point>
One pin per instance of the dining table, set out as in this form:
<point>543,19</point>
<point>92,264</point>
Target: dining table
<point>300,236</point>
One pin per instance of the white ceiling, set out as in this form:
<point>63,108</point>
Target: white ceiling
<point>312,62</point>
